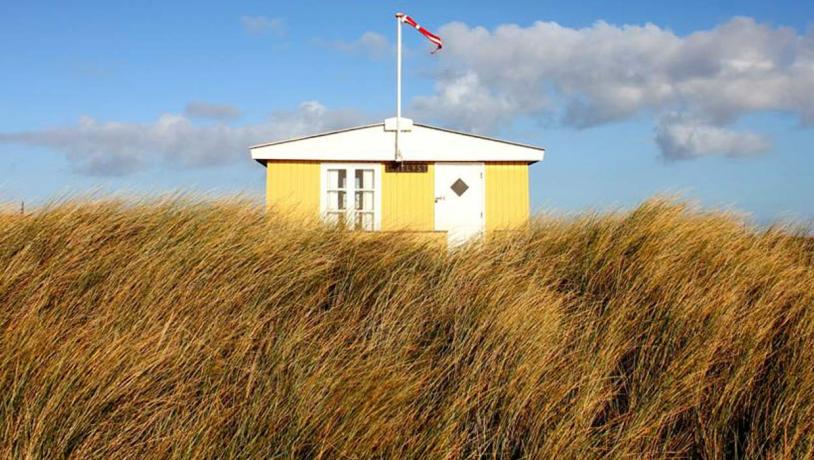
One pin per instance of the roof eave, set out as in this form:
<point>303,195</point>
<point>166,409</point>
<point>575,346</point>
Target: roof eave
<point>311,136</point>
<point>479,136</point>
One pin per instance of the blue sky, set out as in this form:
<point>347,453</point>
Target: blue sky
<point>710,100</point>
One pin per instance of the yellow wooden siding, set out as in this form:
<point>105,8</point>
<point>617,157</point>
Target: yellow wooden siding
<point>408,200</point>
<point>507,195</point>
<point>293,187</point>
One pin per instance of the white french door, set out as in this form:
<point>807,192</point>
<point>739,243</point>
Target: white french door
<point>350,195</point>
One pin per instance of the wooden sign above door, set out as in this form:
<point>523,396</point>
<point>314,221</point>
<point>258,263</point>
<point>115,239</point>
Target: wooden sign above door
<point>406,167</point>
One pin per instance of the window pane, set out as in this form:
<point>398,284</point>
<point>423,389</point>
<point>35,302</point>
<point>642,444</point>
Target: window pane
<point>367,201</point>
<point>336,200</point>
<point>337,218</point>
<point>364,221</point>
<point>364,178</point>
<point>337,178</point>
<point>368,179</point>
<point>363,201</point>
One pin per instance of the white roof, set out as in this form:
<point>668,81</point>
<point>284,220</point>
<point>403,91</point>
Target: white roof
<point>376,142</point>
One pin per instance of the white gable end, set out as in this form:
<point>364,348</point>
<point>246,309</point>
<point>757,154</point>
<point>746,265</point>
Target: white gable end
<point>375,143</point>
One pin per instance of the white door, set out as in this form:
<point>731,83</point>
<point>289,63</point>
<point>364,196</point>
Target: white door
<point>459,195</point>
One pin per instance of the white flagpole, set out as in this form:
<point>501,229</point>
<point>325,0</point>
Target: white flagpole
<point>399,20</point>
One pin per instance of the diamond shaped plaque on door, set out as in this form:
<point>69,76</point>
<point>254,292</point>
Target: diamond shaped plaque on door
<point>459,187</point>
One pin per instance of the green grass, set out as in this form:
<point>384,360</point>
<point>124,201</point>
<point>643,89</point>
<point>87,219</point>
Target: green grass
<point>184,329</point>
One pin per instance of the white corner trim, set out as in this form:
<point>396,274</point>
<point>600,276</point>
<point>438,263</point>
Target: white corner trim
<point>483,198</point>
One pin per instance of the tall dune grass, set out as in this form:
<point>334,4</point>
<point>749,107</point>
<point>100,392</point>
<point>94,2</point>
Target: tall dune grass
<point>209,330</point>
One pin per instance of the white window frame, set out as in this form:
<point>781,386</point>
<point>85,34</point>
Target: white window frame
<point>351,189</point>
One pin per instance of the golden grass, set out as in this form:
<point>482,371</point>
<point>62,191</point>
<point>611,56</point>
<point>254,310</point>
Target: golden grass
<point>191,329</point>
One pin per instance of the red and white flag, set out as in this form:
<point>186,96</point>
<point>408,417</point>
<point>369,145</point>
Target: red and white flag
<point>430,36</point>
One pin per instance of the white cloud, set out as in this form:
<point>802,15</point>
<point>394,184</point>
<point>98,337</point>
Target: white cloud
<point>117,148</point>
<point>605,73</point>
<point>371,44</point>
<point>257,25</point>
<point>681,139</point>
<point>465,101</point>
<point>200,109</point>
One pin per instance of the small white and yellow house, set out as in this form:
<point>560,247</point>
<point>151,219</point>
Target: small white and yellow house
<point>461,184</point>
